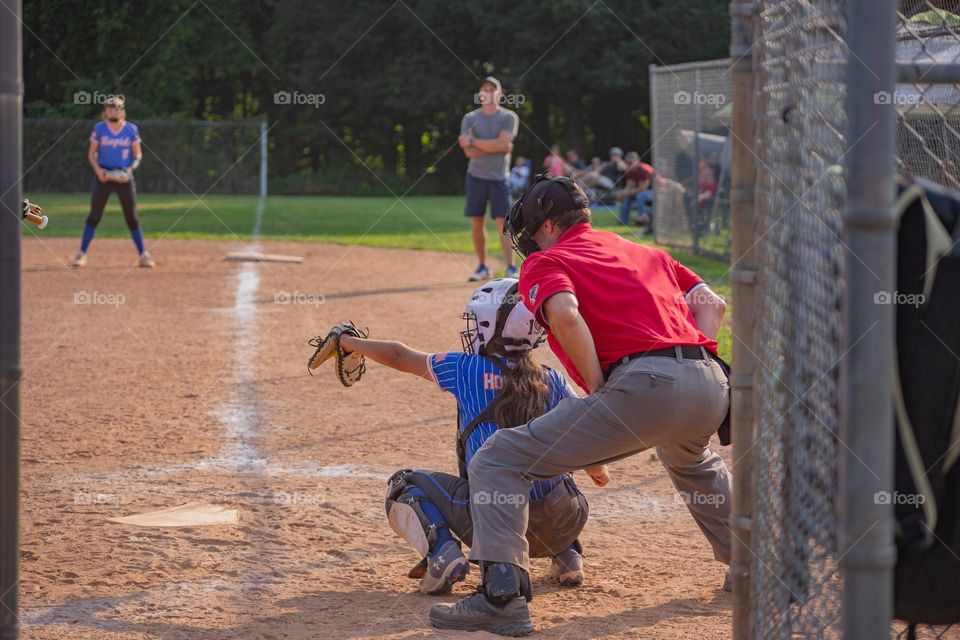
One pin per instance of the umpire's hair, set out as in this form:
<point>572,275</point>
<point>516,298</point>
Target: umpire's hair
<point>570,217</point>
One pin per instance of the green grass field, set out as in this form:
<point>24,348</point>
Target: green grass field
<point>416,222</point>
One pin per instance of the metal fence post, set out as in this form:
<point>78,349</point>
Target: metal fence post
<point>743,276</point>
<point>866,525</point>
<point>11,104</point>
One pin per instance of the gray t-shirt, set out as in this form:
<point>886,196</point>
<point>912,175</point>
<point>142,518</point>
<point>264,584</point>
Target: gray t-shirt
<point>490,166</point>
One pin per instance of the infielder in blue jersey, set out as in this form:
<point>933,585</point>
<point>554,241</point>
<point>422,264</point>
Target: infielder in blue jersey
<point>114,153</point>
<point>497,385</point>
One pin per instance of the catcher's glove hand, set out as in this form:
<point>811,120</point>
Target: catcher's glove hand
<point>350,365</point>
<point>118,175</point>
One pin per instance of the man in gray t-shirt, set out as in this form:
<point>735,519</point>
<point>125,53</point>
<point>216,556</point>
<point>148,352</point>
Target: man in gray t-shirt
<point>486,137</point>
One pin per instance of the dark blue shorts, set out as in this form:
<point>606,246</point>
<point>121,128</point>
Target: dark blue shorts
<point>480,191</point>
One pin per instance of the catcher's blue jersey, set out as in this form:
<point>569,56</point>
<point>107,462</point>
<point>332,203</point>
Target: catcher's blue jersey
<point>474,381</point>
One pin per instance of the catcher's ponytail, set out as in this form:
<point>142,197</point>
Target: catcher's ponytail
<point>525,393</point>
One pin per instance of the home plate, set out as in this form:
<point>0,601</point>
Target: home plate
<point>192,514</point>
<point>246,256</point>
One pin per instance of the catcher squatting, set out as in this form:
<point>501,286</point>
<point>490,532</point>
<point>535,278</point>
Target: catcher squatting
<point>652,377</point>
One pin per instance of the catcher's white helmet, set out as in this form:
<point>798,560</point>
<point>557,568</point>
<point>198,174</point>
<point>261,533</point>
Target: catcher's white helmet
<point>498,323</point>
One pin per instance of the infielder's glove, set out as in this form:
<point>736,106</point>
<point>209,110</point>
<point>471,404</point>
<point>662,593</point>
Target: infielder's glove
<point>118,175</point>
<point>350,365</point>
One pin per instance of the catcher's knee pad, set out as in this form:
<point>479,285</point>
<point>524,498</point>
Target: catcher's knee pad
<point>406,516</point>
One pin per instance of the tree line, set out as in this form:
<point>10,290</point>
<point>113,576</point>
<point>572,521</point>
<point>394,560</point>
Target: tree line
<point>366,96</point>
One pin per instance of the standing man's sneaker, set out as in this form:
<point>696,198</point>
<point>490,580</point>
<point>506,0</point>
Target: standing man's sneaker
<point>79,260</point>
<point>569,566</point>
<point>511,272</point>
<point>482,273</point>
<point>445,566</point>
<point>146,261</point>
<point>476,613</point>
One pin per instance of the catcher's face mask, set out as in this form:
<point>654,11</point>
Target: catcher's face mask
<point>527,215</point>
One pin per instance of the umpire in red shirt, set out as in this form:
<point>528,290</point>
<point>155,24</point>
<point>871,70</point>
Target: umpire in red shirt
<point>637,330</point>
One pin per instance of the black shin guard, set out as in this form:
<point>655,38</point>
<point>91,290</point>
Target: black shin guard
<point>502,582</point>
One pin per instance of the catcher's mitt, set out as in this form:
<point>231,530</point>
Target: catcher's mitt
<point>350,365</point>
<point>118,175</point>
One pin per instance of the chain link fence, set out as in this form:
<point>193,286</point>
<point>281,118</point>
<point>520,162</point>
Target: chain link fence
<point>800,197</point>
<point>178,157</point>
<point>690,106</point>
<point>799,141</point>
<point>928,132</point>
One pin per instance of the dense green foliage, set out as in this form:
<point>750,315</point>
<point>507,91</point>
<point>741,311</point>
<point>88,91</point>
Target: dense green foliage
<point>396,78</point>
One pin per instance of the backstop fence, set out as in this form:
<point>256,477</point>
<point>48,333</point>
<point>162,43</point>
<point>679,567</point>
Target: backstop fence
<point>690,109</point>
<point>178,157</point>
<point>830,98</point>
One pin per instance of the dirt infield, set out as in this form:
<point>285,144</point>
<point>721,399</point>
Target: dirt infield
<point>149,389</point>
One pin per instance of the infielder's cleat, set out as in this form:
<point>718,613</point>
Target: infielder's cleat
<point>445,566</point>
<point>146,261</point>
<point>79,260</point>
<point>482,273</point>
<point>569,566</point>
<point>476,613</point>
<point>418,570</point>
<point>511,272</point>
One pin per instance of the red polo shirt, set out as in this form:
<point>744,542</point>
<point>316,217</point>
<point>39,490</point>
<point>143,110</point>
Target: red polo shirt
<point>631,296</point>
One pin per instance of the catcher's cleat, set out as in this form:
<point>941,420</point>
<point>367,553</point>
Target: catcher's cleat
<point>418,570</point>
<point>79,260</point>
<point>146,261</point>
<point>445,566</point>
<point>482,273</point>
<point>477,613</point>
<point>569,566</point>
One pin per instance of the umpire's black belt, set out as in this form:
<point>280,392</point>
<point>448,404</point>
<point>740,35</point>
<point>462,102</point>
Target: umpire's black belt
<point>686,352</point>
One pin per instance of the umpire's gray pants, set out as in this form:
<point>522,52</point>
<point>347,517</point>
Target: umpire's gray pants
<point>672,404</point>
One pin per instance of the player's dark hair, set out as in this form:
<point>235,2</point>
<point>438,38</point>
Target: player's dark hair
<point>567,219</point>
<point>524,392</point>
